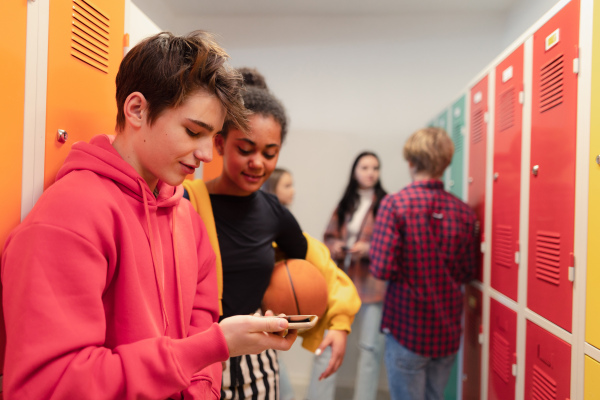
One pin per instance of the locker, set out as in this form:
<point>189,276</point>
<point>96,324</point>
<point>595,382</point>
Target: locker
<point>502,352</point>
<point>547,365</point>
<point>552,188</point>
<point>477,153</point>
<point>442,120</point>
<point>471,385</point>
<point>592,379</point>
<point>13,19</point>
<point>457,132</point>
<point>507,174</point>
<point>85,48</point>
<point>592,309</point>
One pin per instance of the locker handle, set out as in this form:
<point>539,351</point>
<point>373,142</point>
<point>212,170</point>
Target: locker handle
<point>535,170</point>
<point>62,136</point>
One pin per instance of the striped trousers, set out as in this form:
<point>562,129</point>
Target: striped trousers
<point>253,377</point>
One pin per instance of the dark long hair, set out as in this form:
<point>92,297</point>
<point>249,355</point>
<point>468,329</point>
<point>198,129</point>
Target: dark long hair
<point>349,201</point>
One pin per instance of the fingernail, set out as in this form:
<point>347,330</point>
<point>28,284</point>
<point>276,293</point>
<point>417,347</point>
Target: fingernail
<point>318,352</point>
<point>282,323</point>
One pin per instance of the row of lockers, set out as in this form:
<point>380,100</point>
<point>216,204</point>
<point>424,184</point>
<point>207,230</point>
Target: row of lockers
<point>521,132</point>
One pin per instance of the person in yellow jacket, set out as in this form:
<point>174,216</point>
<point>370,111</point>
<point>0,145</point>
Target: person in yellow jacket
<point>243,222</point>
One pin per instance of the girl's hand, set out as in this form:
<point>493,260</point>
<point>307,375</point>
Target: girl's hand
<point>338,249</point>
<point>360,249</point>
<point>337,341</point>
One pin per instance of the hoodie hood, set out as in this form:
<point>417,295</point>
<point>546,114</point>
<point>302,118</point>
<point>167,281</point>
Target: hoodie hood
<point>100,157</point>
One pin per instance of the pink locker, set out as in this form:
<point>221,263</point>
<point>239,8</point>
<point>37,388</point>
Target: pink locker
<point>507,174</point>
<point>547,365</point>
<point>471,385</point>
<point>477,159</point>
<point>503,352</point>
<point>552,181</point>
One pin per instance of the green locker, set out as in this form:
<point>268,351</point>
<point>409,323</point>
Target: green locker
<point>456,131</point>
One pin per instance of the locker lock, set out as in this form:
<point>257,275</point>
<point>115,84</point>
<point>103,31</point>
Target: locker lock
<point>598,159</point>
<point>535,170</point>
<point>62,136</point>
<point>496,175</point>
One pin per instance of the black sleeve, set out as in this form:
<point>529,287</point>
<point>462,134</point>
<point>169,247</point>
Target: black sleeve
<point>290,238</point>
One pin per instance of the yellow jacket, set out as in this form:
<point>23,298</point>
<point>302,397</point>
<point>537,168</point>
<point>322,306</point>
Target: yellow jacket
<point>343,301</point>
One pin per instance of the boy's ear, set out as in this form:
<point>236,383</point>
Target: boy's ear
<point>219,143</point>
<point>135,108</point>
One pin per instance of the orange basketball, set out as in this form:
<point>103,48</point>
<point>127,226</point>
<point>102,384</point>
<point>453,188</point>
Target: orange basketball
<point>296,287</point>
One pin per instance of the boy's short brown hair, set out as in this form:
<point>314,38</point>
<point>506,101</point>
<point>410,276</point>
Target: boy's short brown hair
<point>166,69</point>
<point>429,150</point>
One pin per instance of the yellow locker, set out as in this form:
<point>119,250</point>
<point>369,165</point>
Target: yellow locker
<point>592,379</point>
<point>592,334</point>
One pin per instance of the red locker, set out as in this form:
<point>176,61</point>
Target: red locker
<point>547,365</point>
<point>478,139</point>
<point>552,181</point>
<point>507,174</point>
<point>503,352</point>
<point>471,385</point>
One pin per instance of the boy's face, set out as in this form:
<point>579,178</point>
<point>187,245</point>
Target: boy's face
<point>179,140</point>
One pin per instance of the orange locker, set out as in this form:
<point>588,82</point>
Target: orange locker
<point>503,352</point>
<point>477,153</point>
<point>552,187</point>
<point>547,365</point>
<point>85,48</point>
<point>507,174</point>
<point>471,385</point>
<point>13,19</point>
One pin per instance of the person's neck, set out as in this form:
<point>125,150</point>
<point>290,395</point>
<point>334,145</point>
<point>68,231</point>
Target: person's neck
<point>424,176</point>
<point>219,185</point>
<point>124,147</point>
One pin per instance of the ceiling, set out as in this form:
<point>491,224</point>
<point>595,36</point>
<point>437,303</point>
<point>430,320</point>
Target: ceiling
<point>331,7</point>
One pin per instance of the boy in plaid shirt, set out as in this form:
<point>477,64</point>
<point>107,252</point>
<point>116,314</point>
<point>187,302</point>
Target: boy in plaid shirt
<point>426,244</point>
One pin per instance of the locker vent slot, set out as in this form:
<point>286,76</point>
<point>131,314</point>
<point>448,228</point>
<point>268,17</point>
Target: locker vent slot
<point>478,126</point>
<point>544,387</point>
<point>547,257</point>
<point>457,137</point>
<point>501,357</point>
<point>506,110</point>
<point>551,84</point>
<point>90,34</point>
<point>503,252</point>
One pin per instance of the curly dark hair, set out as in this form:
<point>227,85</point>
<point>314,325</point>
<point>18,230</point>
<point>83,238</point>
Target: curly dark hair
<point>259,100</point>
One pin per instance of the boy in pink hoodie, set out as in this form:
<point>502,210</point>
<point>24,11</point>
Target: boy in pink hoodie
<point>110,288</point>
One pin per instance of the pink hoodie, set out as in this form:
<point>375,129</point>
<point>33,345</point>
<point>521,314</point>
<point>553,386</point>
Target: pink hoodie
<point>109,292</point>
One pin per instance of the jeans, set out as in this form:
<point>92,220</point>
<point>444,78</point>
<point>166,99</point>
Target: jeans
<point>286,391</point>
<point>415,377</point>
<point>371,345</point>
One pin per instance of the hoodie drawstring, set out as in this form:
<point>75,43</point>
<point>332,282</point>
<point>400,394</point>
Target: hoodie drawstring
<point>177,276</point>
<point>159,280</point>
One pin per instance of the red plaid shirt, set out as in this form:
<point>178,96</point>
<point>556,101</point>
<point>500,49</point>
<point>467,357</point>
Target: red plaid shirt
<point>426,244</point>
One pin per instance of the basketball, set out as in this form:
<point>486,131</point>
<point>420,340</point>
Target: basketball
<point>296,287</point>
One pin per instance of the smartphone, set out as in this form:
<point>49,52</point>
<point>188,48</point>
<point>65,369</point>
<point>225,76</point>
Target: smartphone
<point>301,321</point>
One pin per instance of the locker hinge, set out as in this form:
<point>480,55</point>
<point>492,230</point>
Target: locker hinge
<point>571,270</point>
<point>514,369</point>
<point>521,97</point>
<point>483,247</point>
<point>576,66</point>
<point>486,117</point>
<point>517,257</point>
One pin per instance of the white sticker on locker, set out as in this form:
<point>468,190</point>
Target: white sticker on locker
<point>456,112</point>
<point>507,74</point>
<point>477,97</point>
<point>552,39</point>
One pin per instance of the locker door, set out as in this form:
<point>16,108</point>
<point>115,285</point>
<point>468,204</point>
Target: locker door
<point>507,174</point>
<point>85,47</point>
<point>442,120</point>
<point>477,153</point>
<point>457,132</point>
<point>592,379</point>
<point>547,365</point>
<point>471,385</point>
<point>552,187</point>
<point>13,19</point>
<point>503,352</point>
<point>592,308</point>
